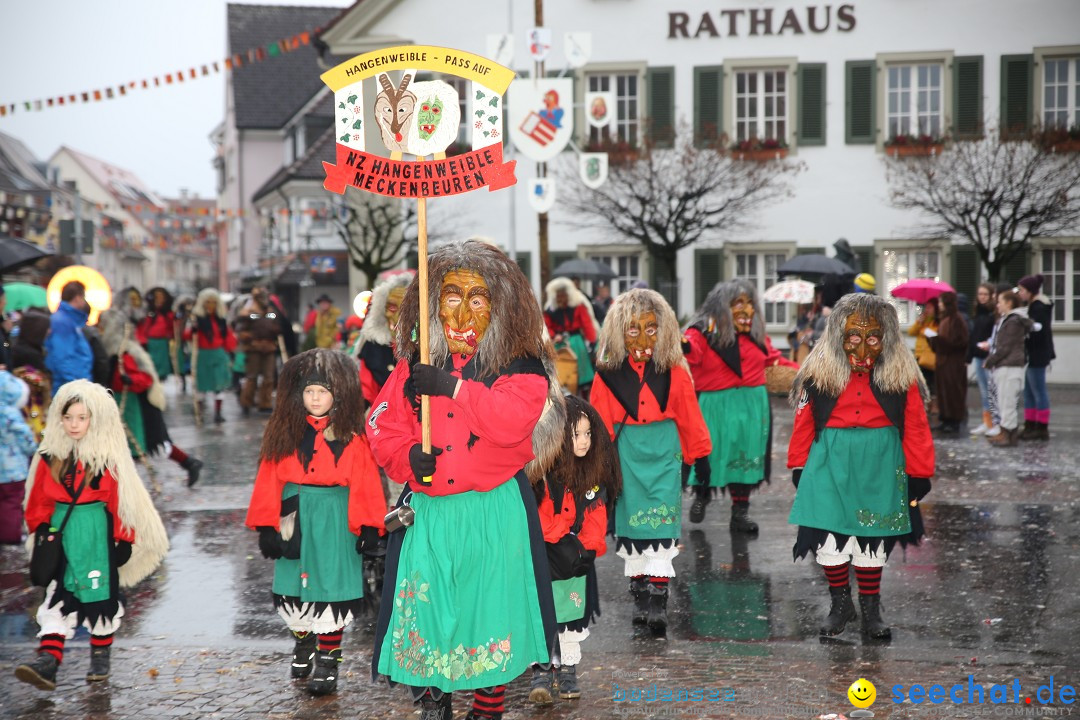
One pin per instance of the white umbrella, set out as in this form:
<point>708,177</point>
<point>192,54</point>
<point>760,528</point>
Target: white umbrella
<point>796,291</point>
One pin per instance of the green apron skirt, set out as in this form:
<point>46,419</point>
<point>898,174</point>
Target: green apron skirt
<point>738,421</point>
<point>329,569</point>
<point>212,373</point>
<point>854,483</point>
<point>466,613</point>
<point>133,419</point>
<point>650,506</point>
<point>87,546</point>
<point>569,598</point>
<point>239,364</point>
<point>585,372</point>
<point>159,353</point>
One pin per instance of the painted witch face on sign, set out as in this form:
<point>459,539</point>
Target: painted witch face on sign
<point>641,337</point>
<point>428,116</point>
<point>464,309</point>
<point>862,342</point>
<point>742,313</point>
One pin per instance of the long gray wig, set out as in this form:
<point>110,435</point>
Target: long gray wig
<point>717,309</point>
<point>376,329</point>
<point>611,349</point>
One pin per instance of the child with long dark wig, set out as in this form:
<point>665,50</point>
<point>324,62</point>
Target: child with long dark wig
<point>318,505</point>
<point>573,501</point>
<point>83,489</point>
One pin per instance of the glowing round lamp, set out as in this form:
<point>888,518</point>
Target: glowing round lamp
<point>98,292</point>
<point>361,303</point>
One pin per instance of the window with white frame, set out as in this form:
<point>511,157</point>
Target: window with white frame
<point>627,269</point>
<point>915,100</point>
<point>903,265</point>
<point>1061,269</point>
<point>760,269</point>
<point>1061,92</point>
<point>627,89</point>
<point>761,105</point>
<point>314,214</point>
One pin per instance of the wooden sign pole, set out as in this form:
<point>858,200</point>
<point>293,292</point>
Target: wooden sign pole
<point>425,330</point>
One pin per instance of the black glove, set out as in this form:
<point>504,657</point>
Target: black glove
<point>584,561</point>
<point>430,380</point>
<point>796,475</point>
<point>703,470</point>
<point>270,543</point>
<point>123,552</point>
<point>367,543</point>
<point>422,463</point>
<point>918,488</point>
<point>125,380</point>
<point>686,346</point>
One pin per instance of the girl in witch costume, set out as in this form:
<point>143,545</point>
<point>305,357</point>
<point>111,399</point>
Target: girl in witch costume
<point>467,599</point>
<point>216,341</point>
<point>140,395</point>
<point>861,454</point>
<point>376,346</point>
<point>83,487</point>
<point>318,505</point>
<point>645,396</point>
<point>157,330</point>
<point>574,499</point>
<point>727,350</point>
<point>569,317</point>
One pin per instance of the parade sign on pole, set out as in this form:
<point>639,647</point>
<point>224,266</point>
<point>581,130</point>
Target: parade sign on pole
<point>419,119</point>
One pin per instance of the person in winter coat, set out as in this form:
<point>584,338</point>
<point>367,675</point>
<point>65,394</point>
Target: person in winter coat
<point>950,347</point>
<point>982,329</point>
<point>156,332</point>
<point>258,329</point>
<point>1008,356</point>
<point>67,353</point>
<point>83,485</point>
<point>1040,353</point>
<point>861,455</point>
<point>17,444</point>
<point>924,354</point>
<point>569,317</point>
<point>28,350</point>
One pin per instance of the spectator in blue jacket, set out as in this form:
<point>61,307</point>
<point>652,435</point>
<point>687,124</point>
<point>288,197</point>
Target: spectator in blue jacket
<point>67,352</point>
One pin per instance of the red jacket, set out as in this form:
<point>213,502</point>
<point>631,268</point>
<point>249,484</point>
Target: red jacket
<point>140,381</point>
<point>159,326</point>
<point>858,408</point>
<point>571,319</point>
<point>48,491</point>
<point>485,433</point>
<point>355,469</point>
<point>556,525</point>
<point>711,372</point>
<point>682,407</point>
<point>216,339</point>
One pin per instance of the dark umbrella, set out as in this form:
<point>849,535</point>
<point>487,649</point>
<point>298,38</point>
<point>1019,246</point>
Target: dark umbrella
<point>813,265</point>
<point>583,268</point>
<point>14,253</point>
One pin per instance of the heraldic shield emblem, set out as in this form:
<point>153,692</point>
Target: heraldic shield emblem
<point>541,116</point>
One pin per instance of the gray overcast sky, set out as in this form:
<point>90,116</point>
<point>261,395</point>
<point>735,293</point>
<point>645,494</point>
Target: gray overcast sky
<point>59,47</point>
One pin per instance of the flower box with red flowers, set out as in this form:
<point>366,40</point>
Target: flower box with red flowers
<point>914,145</point>
<point>759,150</point>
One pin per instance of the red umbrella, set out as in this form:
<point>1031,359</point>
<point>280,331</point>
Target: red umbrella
<point>921,290</point>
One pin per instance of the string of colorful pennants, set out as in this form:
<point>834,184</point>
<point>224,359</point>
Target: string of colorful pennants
<point>233,62</point>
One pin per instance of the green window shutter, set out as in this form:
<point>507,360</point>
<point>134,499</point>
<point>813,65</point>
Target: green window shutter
<point>708,105</point>
<point>524,261</point>
<point>809,251</point>
<point>1017,86</point>
<point>866,259</point>
<point>860,79</point>
<point>412,260</point>
<point>811,103</point>
<point>965,271</point>
<point>1018,266</point>
<point>708,271</point>
<point>660,87</point>
<point>967,97</point>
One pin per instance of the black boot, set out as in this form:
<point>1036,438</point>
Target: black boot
<point>432,709</point>
<point>303,655</point>
<point>872,624</point>
<point>841,612</point>
<point>740,522</point>
<point>193,467</point>
<point>568,687</point>
<point>99,664</point>
<point>540,689</point>
<point>324,680</point>
<point>639,588</point>
<point>41,673</point>
<point>658,595</point>
<point>702,495</point>
<point>1030,430</point>
<point>1042,431</point>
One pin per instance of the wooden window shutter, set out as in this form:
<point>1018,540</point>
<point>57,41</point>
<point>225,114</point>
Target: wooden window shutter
<point>965,271</point>
<point>524,261</point>
<point>860,78</point>
<point>708,105</point>
<point>660,87</point>
<point>967,97</point>
<point>811,103</point>
<point>1017,87</point>
<point>708,271</point>
<point>1018,266</point>
<point>412,260</point>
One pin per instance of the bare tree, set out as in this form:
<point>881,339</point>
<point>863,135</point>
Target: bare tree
<point>668,199</point>
<point>995,192</point>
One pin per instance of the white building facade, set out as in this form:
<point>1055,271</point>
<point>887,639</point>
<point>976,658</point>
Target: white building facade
<point>833,82</point>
